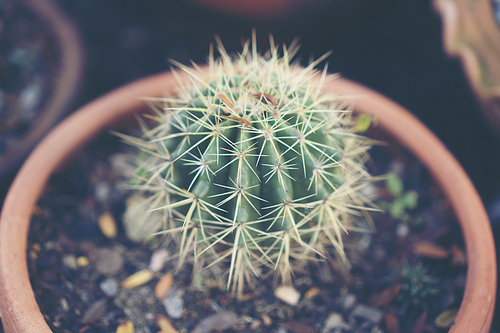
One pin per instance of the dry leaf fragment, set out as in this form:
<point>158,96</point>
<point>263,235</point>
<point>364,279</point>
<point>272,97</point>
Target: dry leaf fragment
<point>314,291</point>
<point>225,100</point>
<point>430,250</point>
<point>165,325</point>
<point>107,224</point>
<point>266,98</point>
<point>137,279</point>
<point>385,297</point>
<point>298,327</point>
<point>241,120</point>
<point>127,327</point>
<point>391,323</point>
<point>457,255</point>
<point>163,285</point>
<point>446,318</point>
<point>420,323</point>
<point>266,319</point>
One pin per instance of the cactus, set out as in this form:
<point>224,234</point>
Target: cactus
<point>418,288</point>
<point>251,165</point>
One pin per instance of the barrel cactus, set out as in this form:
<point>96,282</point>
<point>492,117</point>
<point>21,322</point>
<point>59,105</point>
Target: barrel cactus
<point>251,166</point>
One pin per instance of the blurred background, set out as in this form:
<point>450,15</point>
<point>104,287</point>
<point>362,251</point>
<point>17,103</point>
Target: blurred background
<point>392,46</point>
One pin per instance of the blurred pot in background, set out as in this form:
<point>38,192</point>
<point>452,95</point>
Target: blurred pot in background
<point>471,32</point>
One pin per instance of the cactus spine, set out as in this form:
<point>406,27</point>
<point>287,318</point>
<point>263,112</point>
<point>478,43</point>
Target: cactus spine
<point>251,165</point>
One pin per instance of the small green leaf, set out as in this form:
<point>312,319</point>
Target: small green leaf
<point>397,208</point>
<point>394,185</point>
<point>363,123</point>
<point>410,199</point>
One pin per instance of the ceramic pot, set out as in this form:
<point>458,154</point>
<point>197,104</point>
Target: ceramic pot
<point>70,77</point>
<point>259,9</point>
<point>18,307</point>
<point>472,33</point>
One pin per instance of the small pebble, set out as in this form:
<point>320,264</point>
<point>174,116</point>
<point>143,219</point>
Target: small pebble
<point>214,306</point>
<point>255,324</point>
<point>402,230</point>
<point>64,304</point>
<point>349,301</point>
<point>69,260</point>
<point>219,321</point>
<point>281,329</point>
<point>95,311</point>
<point>102,191</point>
<point>158,259</point>
<point>122,165</point>
<point>82,261</point>
<point>369,313</point>
<point>50,245</point>
<point>109,287</point>
<point>127,327</point>
<point>139,222</point>
<point>287,294</point>
<point>370,190</point>
<point>334,320</point>
<point>174,304</point>
<point>109,261</point>
<point>364,242</point>
<point>30,97</point>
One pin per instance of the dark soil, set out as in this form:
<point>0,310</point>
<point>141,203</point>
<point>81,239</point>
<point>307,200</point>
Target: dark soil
<point>71,297</point>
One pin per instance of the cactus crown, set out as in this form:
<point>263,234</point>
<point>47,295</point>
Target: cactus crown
<point>252,165</point>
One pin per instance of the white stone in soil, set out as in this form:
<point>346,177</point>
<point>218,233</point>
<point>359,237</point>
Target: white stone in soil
<point>174,304</point>
<point>139,221</point>
<point>281,329</point>
<point>109,287</point>
<point>369,313</point>
<point>102,191</point>
<point>369,190</point>
<point>287,294</point>
<point>349,301</point>
<point>334,321</point>
<point>158,259</point>
<point>402,230</point>
<point>122,165</point>
<point>69,260</point>
<point>364,242</point>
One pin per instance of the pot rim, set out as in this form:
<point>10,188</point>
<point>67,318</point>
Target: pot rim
<point>18,307</point>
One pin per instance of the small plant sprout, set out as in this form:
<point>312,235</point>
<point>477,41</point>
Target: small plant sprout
<point>418,288</point>
<point>402,200</point>
<point>251,166</point>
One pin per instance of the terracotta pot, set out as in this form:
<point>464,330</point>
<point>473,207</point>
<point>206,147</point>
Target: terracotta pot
<point>471,33</point>
<point>259,9</point>
<point>64,93</point>
<point>19,310</point>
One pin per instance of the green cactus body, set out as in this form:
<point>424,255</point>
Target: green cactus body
<point>253,166</point>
